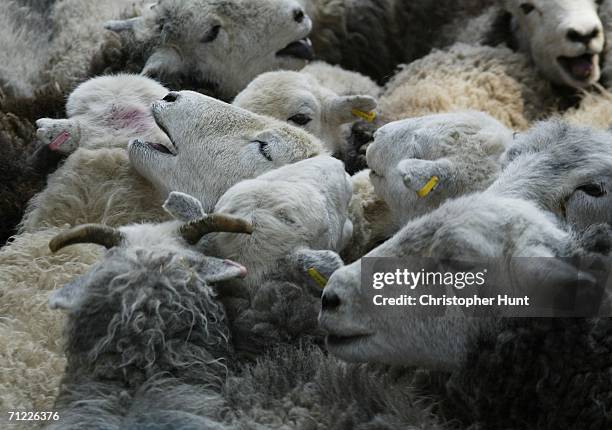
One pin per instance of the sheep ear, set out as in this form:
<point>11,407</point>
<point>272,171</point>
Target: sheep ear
<point>119,26</point>
<point>163,62</point>
<point>424,176</point>
<point>314,267</point>
<point>217,270</point>
<point>69,296</point>
<point>183,207</point>
<point>347,109</point>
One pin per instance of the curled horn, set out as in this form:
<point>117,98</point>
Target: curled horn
<point>193,231</point>
<point>88,233</point>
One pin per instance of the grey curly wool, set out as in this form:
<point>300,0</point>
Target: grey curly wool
<point>147,346</point>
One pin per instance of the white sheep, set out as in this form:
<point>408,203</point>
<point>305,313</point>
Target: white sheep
<point>105,112</point>
<point>303,100</point>
<point>417,164</point>
<point>207,139</point>
<point>208,44</point>
<point>217,144</point>
<point>295,210</point>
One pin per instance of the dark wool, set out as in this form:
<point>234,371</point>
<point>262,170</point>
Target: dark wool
<point>23,170</point>
<point>146,348</point>
<point>537,374</point>
<point>374,36</point>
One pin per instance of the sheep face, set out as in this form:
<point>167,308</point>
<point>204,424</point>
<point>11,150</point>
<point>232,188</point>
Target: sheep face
<point>564,38</point>
<point>106,111</point>
<point>459,149</point>
<point>215,143</point>
<point>564,168</point>
<point>590,204</point>
<point>293,208</point>
<point>473,227</point>
<point>225,43</point>
<point>302,101</point>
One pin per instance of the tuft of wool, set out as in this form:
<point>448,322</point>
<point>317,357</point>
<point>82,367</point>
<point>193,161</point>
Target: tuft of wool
<point>30,333</point>
<point>490,79</point>
<point>97,186</point>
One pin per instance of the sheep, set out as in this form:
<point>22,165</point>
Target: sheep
<point>299,98</point>
<point>218,143</point>
<point>370,36</point>
<point>117,187</point>
<point>105,112</point>
<point>563,38</point>
<point>458,151</point>
<point>296,210</point>
<point>506,220</point>
<point>214,47</point>
<point>513,217</point>
<point>176,355</point>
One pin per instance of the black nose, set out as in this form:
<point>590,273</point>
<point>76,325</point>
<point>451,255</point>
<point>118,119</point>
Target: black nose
<point>298,15</point>
<point>171,97</point>
<point>330,301</point>
<point>584,38</point>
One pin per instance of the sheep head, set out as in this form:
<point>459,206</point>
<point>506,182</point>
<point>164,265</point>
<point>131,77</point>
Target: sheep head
<point>295,210</point>
<point>301,100</point>
<point>215,143</point>
<point>564,38</point>
<point>206,39</point>
<point>418,163</point>
<point>167,242</point>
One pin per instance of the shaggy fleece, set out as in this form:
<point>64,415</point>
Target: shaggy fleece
<point>490,79</point>
<point>94,186</point>
<point>30,333</point>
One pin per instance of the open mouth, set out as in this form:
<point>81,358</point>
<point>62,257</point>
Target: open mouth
<point>301,49</point>
<point>581,68</point>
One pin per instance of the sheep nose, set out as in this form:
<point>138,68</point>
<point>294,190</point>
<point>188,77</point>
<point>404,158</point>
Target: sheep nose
<point>298,15</point>
<point>582,37</point>
<point>171,97</point>
<point>330,301</point>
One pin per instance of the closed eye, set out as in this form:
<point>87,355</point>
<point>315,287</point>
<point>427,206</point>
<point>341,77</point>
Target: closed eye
<point>593,190</point>
<point>527,8</point>
<point>211,35</point>
<point>264,149</point>
<point>300,119</point>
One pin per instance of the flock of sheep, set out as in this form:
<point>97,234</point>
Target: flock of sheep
<point>173,173</point>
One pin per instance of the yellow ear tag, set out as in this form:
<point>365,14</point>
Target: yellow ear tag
<point>317,277</point>
<point>368,116</point>
<point>429,186</point>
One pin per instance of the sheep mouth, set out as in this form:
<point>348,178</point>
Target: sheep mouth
<point>301,49</point>
<point>581,68</point>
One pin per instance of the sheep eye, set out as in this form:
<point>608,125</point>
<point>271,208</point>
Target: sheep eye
<point>527,8</point>
<point>593,190</point>
<point>300,119</point>
<point>264,149</point>
<point>212,34</point>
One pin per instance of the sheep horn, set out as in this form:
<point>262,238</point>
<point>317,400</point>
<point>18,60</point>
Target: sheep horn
<point>193,231</point>
<point>88,233</point>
